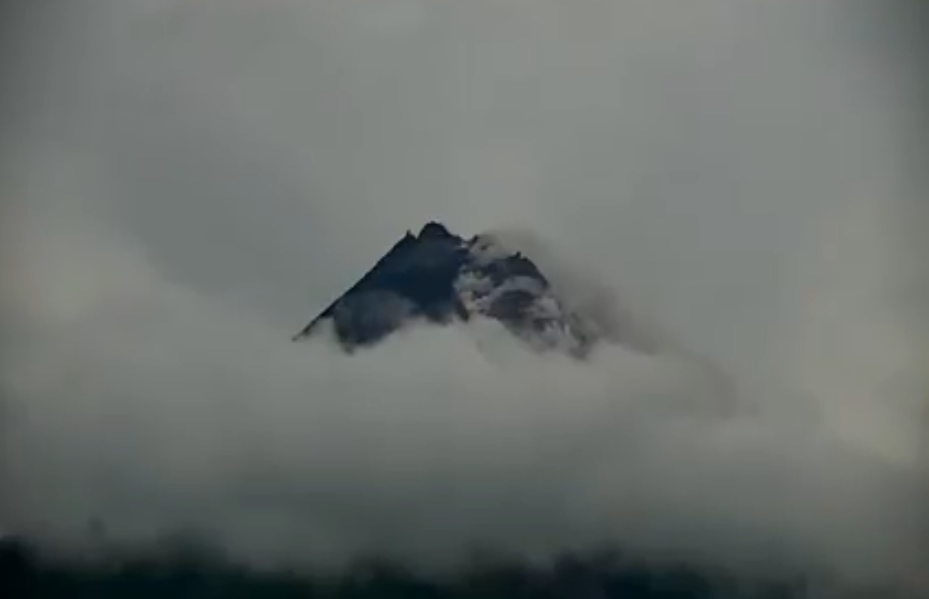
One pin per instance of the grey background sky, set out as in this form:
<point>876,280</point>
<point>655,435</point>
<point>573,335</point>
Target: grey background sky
<point>735,167</point>
<point>692,153</point>
<point>254,147</point>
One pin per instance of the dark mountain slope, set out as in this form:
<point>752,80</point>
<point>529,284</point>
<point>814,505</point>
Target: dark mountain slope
<point>439,277</point>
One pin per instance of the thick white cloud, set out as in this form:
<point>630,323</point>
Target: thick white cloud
<point>152,407</point>
<point>190,181</point>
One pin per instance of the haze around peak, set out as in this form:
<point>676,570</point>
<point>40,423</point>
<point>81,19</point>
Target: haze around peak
<point>189,180</point>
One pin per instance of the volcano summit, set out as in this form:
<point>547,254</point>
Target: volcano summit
<point>440,278</point>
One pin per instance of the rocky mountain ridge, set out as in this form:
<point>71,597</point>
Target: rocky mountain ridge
<point>439,277</point>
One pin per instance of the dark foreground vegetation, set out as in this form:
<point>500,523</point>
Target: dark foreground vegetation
<point>25,574</point>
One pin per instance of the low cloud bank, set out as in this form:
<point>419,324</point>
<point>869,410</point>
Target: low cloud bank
<point>136,408</point>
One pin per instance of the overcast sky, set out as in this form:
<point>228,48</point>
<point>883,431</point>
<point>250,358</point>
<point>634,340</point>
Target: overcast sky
<point>249,145</point>
<point>733,167</point>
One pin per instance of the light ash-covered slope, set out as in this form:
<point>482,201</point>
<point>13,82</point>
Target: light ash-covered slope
<point>439,277</point>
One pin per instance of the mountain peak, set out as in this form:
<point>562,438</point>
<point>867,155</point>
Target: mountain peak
<point>434,230</point>
<point>440,277</point>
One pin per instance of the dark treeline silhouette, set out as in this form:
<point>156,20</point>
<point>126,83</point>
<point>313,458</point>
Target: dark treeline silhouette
<point>187,574</point>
